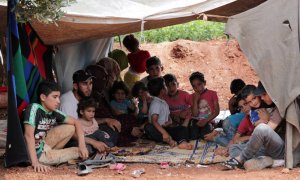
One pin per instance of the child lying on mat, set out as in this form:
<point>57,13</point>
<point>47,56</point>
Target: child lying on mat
<point>160,127</point>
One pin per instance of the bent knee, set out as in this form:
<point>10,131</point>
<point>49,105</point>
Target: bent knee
<point>68,129</point>
<point>262,129</point>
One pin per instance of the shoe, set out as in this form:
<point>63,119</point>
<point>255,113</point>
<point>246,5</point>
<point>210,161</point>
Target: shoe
<point>278,163</point>
<point>232,164</point>
<point>83,169</point>
<point>258,163</point>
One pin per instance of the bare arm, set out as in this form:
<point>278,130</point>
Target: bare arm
<point>29,138</point>
<point>145,106</point>
<point>112,123</point>
<point>195,108</point>
<point>80,137</point>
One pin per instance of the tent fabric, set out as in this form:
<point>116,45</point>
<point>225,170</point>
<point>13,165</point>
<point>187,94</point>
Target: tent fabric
<point>94,19</point>
<point>72,57</point>
<point>270,41</point>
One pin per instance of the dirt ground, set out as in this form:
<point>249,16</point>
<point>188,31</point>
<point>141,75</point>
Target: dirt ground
<point>221,62</point>
<point>152,171</point>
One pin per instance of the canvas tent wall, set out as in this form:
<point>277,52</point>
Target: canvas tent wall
<point>269,36</point>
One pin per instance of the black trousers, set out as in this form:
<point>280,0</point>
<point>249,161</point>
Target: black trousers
<point>178,133</point>
<point>196,132</point>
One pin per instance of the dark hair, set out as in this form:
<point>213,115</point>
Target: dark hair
<point>152,61</point>
<point>155,86</point>
<point>137,87</point>
<point>130,42</point>
<point>169,78</point>
<point>247,90</point>
<point>85,103</point>
<point>238,99</point>
<point>46,87</point>
<point>118,85</point>
<point>197,75</point>
<point>236,86</point>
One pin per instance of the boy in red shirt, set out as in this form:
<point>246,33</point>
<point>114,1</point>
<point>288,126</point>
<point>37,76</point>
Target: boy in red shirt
<point>205,105</point>
<point>179,101</point>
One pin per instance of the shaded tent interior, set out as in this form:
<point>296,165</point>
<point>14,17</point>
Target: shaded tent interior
<point>68,32</point>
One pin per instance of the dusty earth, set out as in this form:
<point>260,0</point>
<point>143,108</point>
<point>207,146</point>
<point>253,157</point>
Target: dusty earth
<point>221,62</point>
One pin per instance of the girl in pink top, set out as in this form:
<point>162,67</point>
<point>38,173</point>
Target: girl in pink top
<point>86,114</point>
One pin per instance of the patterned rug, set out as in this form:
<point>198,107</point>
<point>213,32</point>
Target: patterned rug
<point>203,154</point>
<point>3,132</point>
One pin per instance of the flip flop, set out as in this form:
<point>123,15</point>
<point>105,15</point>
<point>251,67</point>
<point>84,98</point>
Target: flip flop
<point>83,169</point>
<point>106,159</point>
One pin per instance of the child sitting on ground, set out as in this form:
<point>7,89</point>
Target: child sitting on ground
<point>230,124</point>
<point>244,129</point>
<point>137,60</point>
<point>179,101</point>
<point>154,69</point>
<point>160,127</point>
<point>236,87</point>
<point>205,104</point>
<point>140,91</point>
<point>47,130</point>
<point>86,113</point>
<point>120,103</point>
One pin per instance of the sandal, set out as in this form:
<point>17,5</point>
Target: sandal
<point>232,164</point>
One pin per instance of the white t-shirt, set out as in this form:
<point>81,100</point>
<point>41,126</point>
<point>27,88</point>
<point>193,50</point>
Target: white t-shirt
<point>68,104</point>
<point>161,108</point>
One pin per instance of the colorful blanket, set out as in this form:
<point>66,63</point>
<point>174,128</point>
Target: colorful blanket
<point>204,154</point>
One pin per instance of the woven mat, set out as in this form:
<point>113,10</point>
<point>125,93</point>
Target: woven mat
<point>3,133</point>
<point>204,154</point>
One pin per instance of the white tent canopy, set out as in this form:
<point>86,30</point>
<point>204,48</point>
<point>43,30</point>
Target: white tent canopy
<point>269,36</point>
<point>95,19</point>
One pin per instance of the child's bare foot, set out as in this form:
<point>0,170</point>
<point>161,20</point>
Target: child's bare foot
<point>185,145</point>
<point>222,152</point>
<point>211,136</point>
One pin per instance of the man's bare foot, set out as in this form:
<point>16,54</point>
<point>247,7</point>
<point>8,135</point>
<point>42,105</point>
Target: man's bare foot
<point>185,145</point>
<point>211,136</point>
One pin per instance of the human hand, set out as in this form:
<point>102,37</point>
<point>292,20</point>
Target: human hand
<point>144,96</point>
<point>83,152</point>
<point>135,102</point>
<point>166,137</point>
<point>196,96</point>
<point>100,146</point>
<point>136,132</point>
<point>38,167</point>
<point>264,115</point>
<point>114,124</point>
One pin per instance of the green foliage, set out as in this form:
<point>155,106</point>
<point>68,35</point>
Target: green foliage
<point>196,30</point>
<point>45,11</point>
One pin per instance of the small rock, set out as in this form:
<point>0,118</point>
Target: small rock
<point>285,170</point>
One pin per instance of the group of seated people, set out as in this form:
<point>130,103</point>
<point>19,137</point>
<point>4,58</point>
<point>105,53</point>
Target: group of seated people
<point>101,112</point>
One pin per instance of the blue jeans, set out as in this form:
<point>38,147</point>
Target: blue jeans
<point>264,141</point>
<point>228,132</point>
